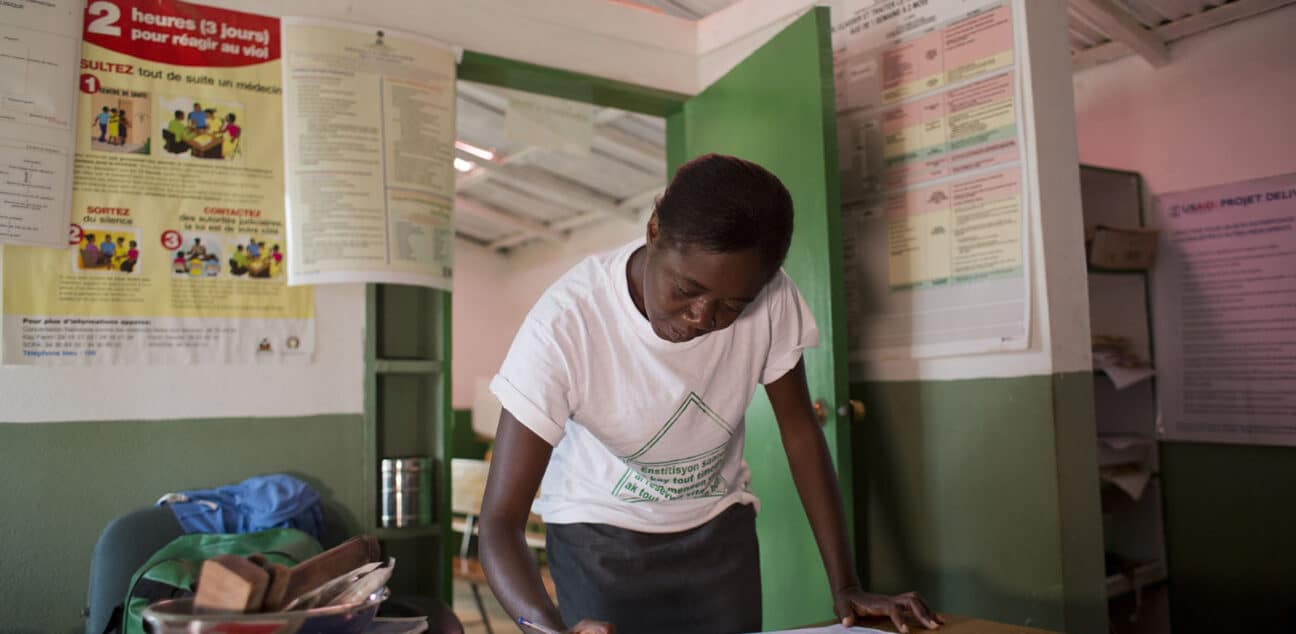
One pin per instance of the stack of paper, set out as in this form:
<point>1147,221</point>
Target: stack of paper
<point>1130,478</point>
<point>1115,357</point>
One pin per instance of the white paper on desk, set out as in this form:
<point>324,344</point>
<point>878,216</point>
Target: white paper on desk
<point>835,628</point>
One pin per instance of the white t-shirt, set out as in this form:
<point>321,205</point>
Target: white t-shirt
<point>647,434</point>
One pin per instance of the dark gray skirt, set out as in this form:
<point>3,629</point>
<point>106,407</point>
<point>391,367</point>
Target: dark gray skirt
<point>704,580</point>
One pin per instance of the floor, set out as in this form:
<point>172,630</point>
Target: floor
<point>468,614</point>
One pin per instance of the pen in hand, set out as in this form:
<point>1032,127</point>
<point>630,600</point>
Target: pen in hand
<point>522,620</point>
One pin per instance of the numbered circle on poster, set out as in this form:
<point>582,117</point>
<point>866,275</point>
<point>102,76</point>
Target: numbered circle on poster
<point>171,239</point>
<point>89,84</point>
<point>75,233</point>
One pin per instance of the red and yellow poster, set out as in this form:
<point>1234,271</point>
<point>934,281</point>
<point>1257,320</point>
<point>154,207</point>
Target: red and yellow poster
<point>177,248</point>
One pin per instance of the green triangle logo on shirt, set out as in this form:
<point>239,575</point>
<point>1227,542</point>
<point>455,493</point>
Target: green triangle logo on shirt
<point>683,460</point>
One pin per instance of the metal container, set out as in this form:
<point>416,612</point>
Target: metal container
<point>176,616</point>
<point>406,492</point>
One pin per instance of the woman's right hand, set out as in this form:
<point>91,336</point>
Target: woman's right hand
<point>587,626</point>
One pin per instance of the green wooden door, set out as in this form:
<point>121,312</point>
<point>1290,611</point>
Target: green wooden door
<point>776,109</point>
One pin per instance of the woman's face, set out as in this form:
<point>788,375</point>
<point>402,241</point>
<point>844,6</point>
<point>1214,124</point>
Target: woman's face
<point>688,292</point>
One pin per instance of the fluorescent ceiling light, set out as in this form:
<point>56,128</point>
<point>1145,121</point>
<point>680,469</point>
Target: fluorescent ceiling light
<point>464,166</point>
<point>475,151</point>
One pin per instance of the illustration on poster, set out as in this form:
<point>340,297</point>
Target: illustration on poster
<point>105,249</point>
<point>211,129</point>
<point>120,121</point>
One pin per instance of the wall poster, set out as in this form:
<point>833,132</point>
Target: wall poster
<point>177,249</point>
<point>933,190</point>
<point>1224,312</point>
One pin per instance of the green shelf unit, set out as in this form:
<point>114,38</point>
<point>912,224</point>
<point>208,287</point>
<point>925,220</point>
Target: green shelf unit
<point>406,366</point>
<point>1120,304</point>
<point>408,413</point>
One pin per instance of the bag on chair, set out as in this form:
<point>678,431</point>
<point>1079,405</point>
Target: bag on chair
<point>172,571</point>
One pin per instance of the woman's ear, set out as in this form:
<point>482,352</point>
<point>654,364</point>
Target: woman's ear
<point>654,231</point>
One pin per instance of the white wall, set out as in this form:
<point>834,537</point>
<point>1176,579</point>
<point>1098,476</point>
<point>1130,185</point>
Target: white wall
<point>1220,112</point>
<point>493,293</point>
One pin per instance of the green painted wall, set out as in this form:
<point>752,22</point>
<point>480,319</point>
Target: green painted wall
<point>1084,599</point>
<point>1230,537</point>
<point>64,481</point>
<point>982,494</point>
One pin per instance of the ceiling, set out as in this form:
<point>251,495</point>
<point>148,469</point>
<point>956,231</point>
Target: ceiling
<point>526,194</point>
<point>1106,30</point>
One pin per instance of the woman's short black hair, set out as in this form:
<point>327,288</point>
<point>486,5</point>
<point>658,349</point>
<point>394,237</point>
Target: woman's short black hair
<point>723,204</point>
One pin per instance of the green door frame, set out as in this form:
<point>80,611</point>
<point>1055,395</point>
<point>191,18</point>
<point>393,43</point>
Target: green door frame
<point>564,84</point>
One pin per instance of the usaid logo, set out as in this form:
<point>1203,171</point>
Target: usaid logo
<point>1192,208</point>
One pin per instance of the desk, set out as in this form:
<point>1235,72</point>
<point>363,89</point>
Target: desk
<point>206,144</point>
<point>959,625</point>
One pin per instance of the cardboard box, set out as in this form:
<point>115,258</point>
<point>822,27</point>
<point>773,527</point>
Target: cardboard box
<point>1122,249</point>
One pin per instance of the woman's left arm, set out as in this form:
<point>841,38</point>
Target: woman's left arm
<point>816,483</point>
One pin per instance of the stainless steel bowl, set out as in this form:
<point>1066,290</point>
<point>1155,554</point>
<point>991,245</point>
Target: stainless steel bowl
<point>176,616</point>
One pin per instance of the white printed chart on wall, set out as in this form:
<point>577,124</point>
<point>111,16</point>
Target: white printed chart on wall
<point>39,46</point>
<point>369,130</point>
<point>1224,313</point>
<point>933,191</point>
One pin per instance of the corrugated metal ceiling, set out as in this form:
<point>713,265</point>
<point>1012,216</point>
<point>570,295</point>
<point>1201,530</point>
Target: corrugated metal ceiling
<point>526,193</point>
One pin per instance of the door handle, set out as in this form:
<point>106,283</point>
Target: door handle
<point>854,409</point>
<point>821,412</point>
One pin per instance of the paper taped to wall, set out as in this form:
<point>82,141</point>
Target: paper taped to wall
<point>933,188</point>
<point>39,46</point>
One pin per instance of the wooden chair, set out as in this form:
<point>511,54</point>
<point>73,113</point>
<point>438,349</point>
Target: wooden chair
<point>467,484</point>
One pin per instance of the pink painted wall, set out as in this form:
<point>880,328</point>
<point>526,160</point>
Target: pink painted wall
<point>1223,110</point>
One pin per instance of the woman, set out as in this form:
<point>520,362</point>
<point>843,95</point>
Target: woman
<point>114,126</point>
<point>132,258</point>
<point>230,133</point>
<point>625,390</point>
<point>229,128</point>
